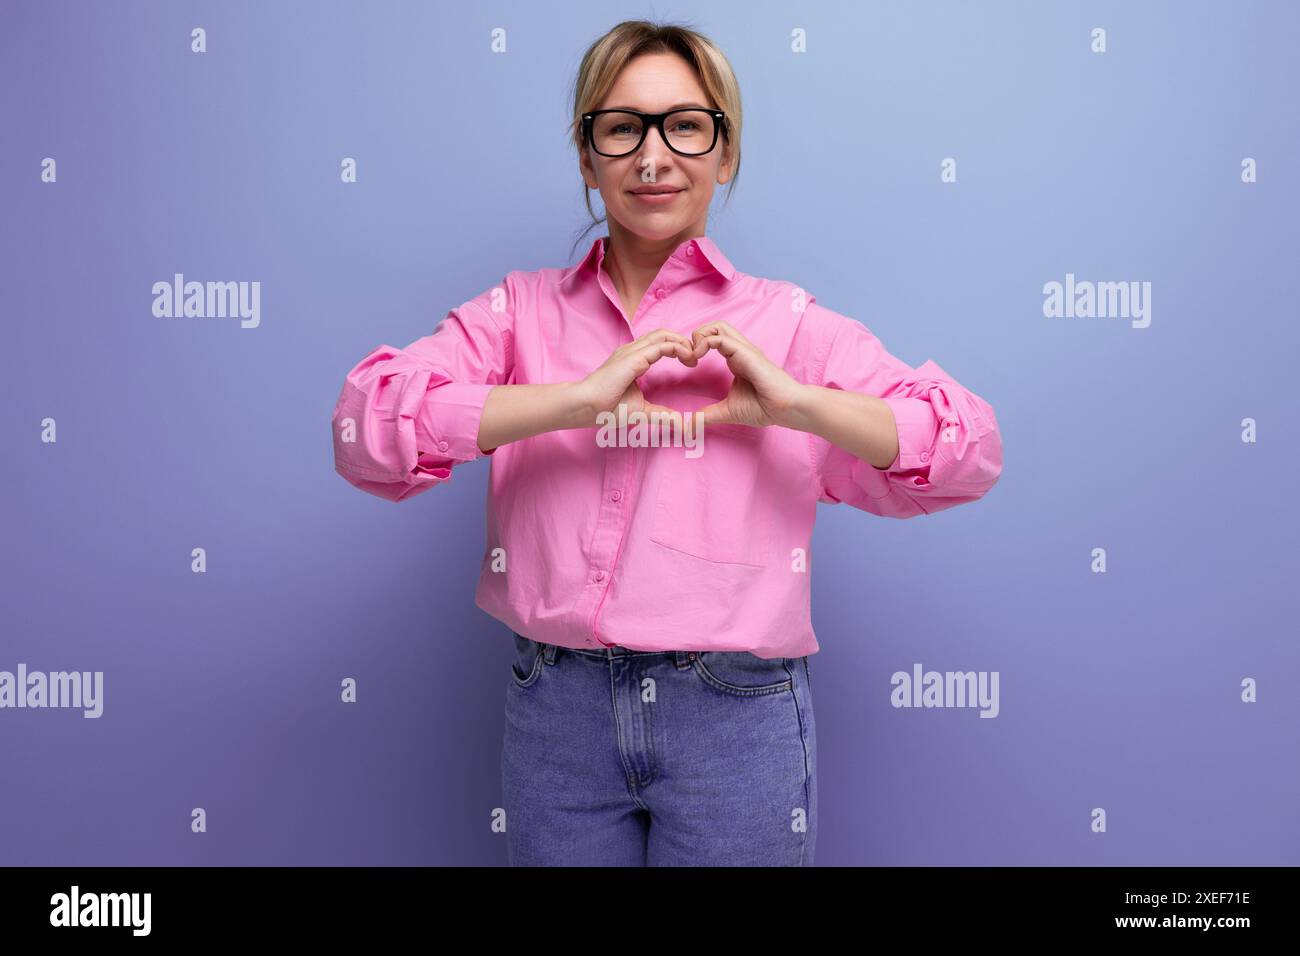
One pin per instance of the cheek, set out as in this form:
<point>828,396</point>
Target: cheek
<point>699,198</point>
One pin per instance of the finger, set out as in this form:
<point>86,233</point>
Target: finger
<point>724,343</point>
<point>726,328</point>
<point>658,335</point>
<point>671,414</point>
<point>654,342</point>
<point>692,352</point>
<point>703,330</point>
<point>652,353</point>
<point>698,344</point>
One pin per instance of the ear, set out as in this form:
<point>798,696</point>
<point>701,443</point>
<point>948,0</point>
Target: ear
<point>585,169</point>
<point>726,165</point>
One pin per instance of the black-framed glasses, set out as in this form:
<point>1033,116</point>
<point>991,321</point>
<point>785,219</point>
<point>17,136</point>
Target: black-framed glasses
<point>688,132</point>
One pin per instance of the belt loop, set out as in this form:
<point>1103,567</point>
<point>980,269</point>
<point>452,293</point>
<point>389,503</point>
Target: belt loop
<point>683,660</point>
<point>549,651</point>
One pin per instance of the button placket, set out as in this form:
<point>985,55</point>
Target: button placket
<point>614,515</point>
<point>658,291</point>
<point>610,525</point>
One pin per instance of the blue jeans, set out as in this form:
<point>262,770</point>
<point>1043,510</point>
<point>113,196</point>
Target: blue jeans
<point>615,757</point>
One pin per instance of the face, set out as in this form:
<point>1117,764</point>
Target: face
<point>656,83</point>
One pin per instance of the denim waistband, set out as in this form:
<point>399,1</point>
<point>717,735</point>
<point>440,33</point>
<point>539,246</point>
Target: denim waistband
<point>550,652</point>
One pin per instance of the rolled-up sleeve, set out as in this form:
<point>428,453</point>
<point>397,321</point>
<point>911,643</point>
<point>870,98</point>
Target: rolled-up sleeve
<point>406,417</point>
<point>949,444</point>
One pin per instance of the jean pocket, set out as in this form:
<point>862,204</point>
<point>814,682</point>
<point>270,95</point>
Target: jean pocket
<point>742,673</point>
<point>712,506</point>
<point>526,666</point>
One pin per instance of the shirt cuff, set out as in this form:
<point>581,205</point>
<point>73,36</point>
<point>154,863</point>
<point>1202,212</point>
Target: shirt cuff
<point>448,420</point>
<point>917,431</point>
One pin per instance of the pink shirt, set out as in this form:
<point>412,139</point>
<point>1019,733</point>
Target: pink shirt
<point>647,547</point>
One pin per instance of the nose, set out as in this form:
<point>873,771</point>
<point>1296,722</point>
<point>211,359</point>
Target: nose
<point>655,149</point>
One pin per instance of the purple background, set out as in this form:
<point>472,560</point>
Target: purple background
<point>1119,690</point>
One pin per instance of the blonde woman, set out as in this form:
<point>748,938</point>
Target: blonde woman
<point>653,573</point>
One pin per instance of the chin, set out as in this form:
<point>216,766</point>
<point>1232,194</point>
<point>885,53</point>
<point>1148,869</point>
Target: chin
<point>655,228</point>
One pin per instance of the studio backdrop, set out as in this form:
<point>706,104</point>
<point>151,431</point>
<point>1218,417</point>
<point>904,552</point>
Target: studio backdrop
<point>1084,212</point>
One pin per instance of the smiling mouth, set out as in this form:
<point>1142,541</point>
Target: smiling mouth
<point>659,197</point>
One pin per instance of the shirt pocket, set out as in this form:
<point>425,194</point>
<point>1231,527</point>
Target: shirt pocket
<point>712,506</point>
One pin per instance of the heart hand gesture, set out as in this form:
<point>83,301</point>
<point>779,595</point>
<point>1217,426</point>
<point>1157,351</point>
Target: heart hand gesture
<point>614,383</point>
<point>762,392</point>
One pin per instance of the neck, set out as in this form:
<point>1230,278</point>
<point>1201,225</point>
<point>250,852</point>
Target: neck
<point>633,261</point>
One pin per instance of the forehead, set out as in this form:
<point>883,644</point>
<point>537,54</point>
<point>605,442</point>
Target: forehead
<point>655,82</point>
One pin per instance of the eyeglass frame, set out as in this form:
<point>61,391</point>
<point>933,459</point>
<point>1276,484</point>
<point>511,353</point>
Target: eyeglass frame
<point>656,120</point>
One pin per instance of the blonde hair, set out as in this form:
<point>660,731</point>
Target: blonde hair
<point>607,56</point>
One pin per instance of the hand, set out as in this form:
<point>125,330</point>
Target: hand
<point>761,394</point>
<point>614,382</point>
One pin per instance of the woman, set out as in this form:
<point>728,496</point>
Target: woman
<point>659,710</point>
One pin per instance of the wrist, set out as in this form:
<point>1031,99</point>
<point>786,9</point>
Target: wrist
<point>798,411</point>
<point>576,409</point>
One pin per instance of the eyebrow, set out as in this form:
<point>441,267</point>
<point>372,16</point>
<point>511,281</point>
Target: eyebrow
<point>675,106</point>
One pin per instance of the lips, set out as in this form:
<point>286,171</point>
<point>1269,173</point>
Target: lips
<point>660,197</point>
<point>655,190</point>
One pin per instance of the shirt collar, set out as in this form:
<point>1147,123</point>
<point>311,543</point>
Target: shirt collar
<point>706,251</point>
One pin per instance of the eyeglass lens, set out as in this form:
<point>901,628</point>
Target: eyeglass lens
<point>688,131</point>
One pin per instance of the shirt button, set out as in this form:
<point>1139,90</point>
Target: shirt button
<point>442,446</point>
<point>616,495</point>
<point>690,250</point>
<point>925,456</point>
<point>600,575</point>
<point>660,293</point>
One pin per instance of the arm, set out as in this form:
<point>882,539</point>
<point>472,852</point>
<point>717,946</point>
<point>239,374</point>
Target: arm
<point>406,417</point>
<point>889,439</point>
<point>862,425</point>
<point>512,412</point>
<point>518,411</point>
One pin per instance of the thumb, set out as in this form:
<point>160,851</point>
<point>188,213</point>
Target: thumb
<point>674,416</point>
<point>719,413</point>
